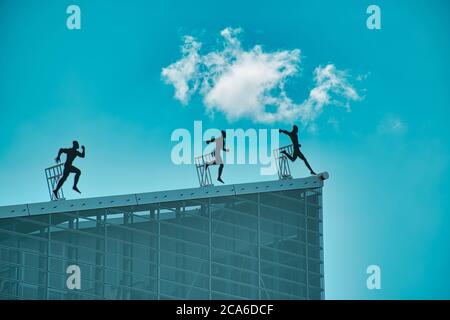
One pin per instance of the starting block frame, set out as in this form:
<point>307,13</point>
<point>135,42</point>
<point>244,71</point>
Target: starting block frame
<point>52,175</point>
<point>203,173</point>
<point>282,162</point>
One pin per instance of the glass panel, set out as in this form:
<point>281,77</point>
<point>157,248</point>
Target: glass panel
<point>235,247</point>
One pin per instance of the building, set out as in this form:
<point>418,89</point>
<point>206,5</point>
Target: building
<point>245,241</point>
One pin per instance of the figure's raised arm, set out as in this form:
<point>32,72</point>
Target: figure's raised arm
<point>82,154</point>
<point>61,151</point>
<point>283,131</point>
<point>212,140</point>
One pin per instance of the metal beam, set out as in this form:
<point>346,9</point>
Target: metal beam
<point>139,201</point>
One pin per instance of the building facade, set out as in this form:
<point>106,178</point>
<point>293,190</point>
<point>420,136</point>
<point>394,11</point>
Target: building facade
<point>246,241</point>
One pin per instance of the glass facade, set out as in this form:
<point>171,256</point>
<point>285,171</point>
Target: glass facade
<point>264,245</point>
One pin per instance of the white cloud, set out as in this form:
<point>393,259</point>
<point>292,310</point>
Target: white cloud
<point>182,74</point>
<point>392,125</point>
<point>251,83</point>
<point>362,77</point>
<point>334,123</point>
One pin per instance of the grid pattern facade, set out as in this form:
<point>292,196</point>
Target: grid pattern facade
<point>264,245</point>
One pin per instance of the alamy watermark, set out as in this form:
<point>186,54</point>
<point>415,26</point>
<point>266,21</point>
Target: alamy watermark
<point>374,279</point>
<point>250,146</point>
<point>74,279</point>
<point>373,22</point>
<point>73,21</point>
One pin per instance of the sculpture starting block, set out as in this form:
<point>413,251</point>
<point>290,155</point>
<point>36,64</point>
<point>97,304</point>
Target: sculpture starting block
<point>203,173</point>
<point>53,174</point>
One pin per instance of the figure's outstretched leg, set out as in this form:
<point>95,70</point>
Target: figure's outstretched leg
<point>77,177</point>
<point>292,158</point>
<point>60,183</point>
<point>219,178</point>
<point>307,164</point>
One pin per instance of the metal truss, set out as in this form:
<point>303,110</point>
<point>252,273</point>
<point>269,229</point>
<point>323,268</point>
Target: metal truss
<point>53,174</point>
<point>284,172</point>
<point>203,173</point>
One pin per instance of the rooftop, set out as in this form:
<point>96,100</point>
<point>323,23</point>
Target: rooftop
<point>139,201</point>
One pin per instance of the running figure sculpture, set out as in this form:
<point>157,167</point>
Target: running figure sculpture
<point>220,146</point>
<point>71,154</point>
<point>297,153</point>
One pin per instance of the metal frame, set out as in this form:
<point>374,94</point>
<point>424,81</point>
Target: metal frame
<point>322,258</point>
<point>203,173</point>
<point>142,201</point>
<point>127,218</point>
<point>282,162</point>
<point>52,175</point>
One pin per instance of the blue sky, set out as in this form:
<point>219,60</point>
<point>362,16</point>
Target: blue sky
<point>386,202</point>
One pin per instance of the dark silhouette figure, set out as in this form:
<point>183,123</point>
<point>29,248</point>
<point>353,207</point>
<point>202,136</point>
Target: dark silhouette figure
<point>71,154</point>
<point>297,153</point>
<point>220,146</point>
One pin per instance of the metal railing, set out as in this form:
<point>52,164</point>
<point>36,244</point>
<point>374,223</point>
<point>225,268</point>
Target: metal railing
<point>203,173</point>
<point>52,175</point>
<point>282,162</point>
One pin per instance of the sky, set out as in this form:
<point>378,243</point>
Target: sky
<point>371,106</point>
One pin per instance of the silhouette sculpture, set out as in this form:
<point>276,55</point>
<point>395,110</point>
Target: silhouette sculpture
<point>71,154</point>
<point>296,146</point>
<point>220,146</point>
